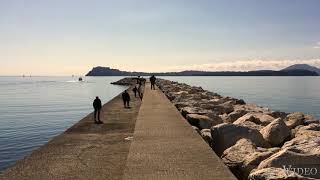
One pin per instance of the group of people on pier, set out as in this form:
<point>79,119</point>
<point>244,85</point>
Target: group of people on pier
<point>137,90</point>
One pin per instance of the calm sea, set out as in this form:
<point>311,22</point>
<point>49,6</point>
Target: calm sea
<point>34,110</point>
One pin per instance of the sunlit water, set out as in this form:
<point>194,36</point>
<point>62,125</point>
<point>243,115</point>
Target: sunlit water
<point>34,110</point>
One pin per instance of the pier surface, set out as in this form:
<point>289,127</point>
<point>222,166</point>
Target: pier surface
<point>164,146</point>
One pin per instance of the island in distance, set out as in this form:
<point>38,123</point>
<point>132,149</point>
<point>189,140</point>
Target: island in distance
<point>294,70</point>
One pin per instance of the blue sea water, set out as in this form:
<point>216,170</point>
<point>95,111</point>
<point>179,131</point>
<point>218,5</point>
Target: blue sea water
<point>33,110</point>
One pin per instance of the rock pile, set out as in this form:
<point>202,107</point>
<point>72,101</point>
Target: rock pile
<point>128,81</point>
<point>254,142</point>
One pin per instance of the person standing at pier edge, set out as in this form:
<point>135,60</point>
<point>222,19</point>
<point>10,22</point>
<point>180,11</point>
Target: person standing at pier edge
<point>153,81</point>
<point>97,108</point>
<point>126,99</point>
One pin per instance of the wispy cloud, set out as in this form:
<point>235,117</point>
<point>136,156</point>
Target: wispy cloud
<point>317,46</point>
<point>247,65</point>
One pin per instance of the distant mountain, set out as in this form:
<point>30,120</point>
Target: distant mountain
<point>106,71</point>
<point>302,67</point>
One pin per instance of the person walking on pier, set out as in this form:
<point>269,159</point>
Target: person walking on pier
<point>153,82</point>
<point>135,91</point>
<point>126,99</point>
<point>139,82</point>
<point>97,107</point>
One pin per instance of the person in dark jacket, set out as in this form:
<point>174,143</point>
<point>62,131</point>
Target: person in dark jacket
<point>153,82</point>
<point>135,91</point>
<point>126,99</point>
<point>97,107</point>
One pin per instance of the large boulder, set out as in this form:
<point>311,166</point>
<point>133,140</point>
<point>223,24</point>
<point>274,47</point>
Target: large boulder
<point>265,119</point>
<point>181,104</point>
<point>274,174</point>
<point>208,93</point>
<point>252,108</point>
<point>294,119</point>
<point>252,160</point>
<point>194,110</point>
<point>276,132</point>
<point>223,108</point>
<point>307,133</point>
<point>308,119</point>
<point>175,88</point>
<point>203,121</point>
<point>244,156</point>
<point>312,126</point>
<point>195,90</point>
<point>301,152</point>
<point>278,114</point>
<point>233,116</point>
<point>251,125</point>
<point>312,129</point>
<point>304,144</point>
<point>240,101</point>
<point>234,156</point>
<point>247,117</point>
<point>216,101</point>
<point>206,135</point>
<point>208,106</point>
<point>257,118</point>
<point>226,135</point>
<point>289,159</point>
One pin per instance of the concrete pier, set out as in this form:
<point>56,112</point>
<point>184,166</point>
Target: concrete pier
<point>164,146</point>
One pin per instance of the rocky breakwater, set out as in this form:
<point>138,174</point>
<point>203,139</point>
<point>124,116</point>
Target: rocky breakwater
<point>254,142</point>
<point>128,81</point>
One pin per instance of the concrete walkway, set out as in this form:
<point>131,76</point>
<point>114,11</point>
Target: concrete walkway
<point>165,146</point>
<point>86,150</point>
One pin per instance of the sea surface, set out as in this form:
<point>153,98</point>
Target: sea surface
<point>33,110</point>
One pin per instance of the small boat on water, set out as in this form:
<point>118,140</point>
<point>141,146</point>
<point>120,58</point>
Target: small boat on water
<point>80,79</point>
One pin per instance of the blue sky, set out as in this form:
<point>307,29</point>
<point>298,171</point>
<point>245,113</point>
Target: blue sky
<point>60,37</point>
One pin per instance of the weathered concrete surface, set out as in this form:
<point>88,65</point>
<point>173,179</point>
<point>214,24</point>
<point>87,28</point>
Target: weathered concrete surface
<point>165,146</point>
<point>86,150</point>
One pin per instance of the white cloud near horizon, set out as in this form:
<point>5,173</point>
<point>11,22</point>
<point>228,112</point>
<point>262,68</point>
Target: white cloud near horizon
<point>248,65</point>
<point>317,46</point>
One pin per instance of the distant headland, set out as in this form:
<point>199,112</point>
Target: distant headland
<point>294,70</point>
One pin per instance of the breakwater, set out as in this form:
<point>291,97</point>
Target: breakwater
<point>254,142</point>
